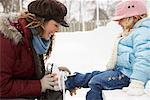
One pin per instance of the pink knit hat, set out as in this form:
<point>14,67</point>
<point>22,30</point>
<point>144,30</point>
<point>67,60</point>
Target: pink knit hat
<point>128,8</point>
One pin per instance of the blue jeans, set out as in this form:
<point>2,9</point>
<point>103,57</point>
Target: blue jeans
<point>98,81</point>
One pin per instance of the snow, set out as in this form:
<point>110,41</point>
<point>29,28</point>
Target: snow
<point>120,95</point>
<point>84,51</point>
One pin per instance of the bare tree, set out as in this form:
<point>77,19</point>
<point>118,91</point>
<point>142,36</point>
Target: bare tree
<point>102,14</point>
<point>6,5</point>
<point>111,8</point>
<point>10,5</point>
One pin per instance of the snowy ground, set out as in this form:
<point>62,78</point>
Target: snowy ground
<point>84,52</point>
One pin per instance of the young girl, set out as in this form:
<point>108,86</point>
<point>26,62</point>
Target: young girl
<point>129,64</point>
<point>23,42</point>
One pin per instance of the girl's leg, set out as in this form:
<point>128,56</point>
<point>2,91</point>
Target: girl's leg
<point>79,80</point>
<point>106,80</point>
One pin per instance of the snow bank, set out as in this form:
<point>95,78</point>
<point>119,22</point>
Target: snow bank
<point>84,51</point>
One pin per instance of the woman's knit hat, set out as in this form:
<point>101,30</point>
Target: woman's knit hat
<point>49,9</point>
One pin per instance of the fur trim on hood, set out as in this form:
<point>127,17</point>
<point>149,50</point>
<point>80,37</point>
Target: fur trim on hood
<point>7,30</point>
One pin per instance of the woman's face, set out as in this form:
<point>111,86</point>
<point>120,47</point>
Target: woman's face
<point>50,28</point>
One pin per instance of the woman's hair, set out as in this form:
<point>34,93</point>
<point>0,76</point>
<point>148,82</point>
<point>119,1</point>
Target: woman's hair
<point>34,22</point>
<point>37,23</point>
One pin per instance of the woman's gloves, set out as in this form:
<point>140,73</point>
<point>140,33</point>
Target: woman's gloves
<point>48,82</point>
<point>54,77</point>
<point>135,88</point>
<point>64,69</point>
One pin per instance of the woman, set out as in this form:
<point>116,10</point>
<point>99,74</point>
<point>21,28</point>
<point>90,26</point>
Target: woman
<point>24,40</point>
<point>129,63</point>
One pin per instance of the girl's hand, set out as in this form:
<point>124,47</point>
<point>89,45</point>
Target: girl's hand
<point>73,92</point>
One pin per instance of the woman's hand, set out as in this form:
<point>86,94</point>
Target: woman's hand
<point>48,82</point>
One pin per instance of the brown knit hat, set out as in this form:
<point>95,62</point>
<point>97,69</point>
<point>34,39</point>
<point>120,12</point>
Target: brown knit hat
<point>49,9</point>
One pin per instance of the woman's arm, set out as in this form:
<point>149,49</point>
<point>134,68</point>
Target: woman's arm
<point>10,87</point>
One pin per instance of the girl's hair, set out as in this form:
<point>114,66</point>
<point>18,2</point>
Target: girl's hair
<point>139,17</point>
<point>37,23</point>
<point>132,20</point>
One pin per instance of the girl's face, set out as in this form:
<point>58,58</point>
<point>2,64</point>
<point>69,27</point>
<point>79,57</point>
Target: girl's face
<point>123,22</point>
<point>126,23</point>
<point>50,28</point>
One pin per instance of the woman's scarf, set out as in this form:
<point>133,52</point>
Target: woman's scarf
<point>40,45</point>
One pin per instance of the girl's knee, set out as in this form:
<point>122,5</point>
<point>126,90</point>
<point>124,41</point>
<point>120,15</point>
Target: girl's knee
<point>95,83</point>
